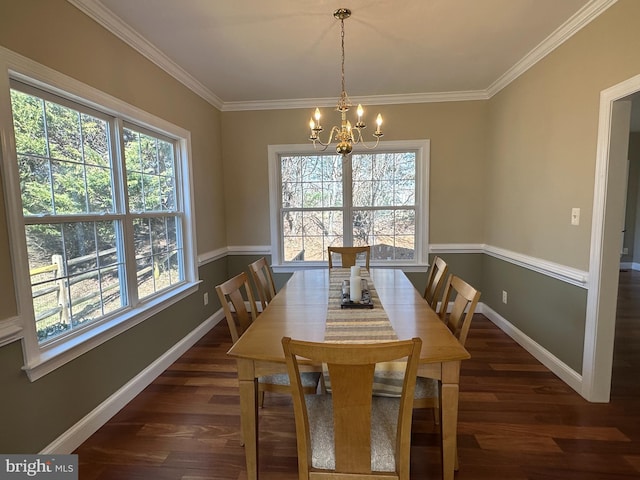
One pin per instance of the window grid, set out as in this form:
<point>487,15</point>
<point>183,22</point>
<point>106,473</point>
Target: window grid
<point>378,208</point>
<point>70,177</point>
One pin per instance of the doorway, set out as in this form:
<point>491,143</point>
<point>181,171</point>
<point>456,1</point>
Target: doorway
<point>607,223</point>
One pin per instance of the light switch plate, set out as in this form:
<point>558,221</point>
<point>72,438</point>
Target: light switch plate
<point>575,216</point>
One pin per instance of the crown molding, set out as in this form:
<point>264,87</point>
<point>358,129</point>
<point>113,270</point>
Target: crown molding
<point>367,100</point>
<point>582,18</point>
<point>105,17</point>
<point>98,12</point>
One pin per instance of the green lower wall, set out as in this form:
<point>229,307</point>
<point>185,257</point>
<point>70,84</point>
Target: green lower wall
<point>34,414</point>
<point>549,311</point>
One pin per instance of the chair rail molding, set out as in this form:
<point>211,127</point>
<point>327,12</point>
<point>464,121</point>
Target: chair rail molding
<point>212,256</point>
<point>10,330</point>
<point>571,275</point>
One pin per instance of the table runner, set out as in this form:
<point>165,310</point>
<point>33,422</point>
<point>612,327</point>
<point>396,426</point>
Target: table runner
<point>355,325</point>
<point>361,325</point>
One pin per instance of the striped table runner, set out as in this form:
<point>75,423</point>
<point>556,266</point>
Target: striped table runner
<point>355,325</point>
<point>361,325</point>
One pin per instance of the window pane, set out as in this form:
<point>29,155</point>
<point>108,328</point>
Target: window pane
<point>75,275</point>
<point>28,124</point>
<point>384,180</point>
<point>307,234</point>
<point>63,132</point>
<point>293,249</point>
<point>362,166</point>
<point>393,235</point>
<point>150,172</point>
<point>363,193</point>
<point>95,141</point>
<point>311,181</point>
<point>404,192</point>
<point>362,227</point>
<point>158,255</point>
<point>69,193</point>
<point>35,184</point>
<point>99,189</point>
<point>64,159</point>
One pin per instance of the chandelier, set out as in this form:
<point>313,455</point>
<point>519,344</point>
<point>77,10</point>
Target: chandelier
<point>345,135</point>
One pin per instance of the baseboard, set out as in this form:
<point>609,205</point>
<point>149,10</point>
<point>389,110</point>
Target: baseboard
<point>629,266</point>
<point>553,363</point>
<point>87,426</point>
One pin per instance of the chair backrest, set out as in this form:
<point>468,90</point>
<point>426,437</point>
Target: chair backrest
<point>263,279</point>
<point>230,293</point>
<point>351,368</point>
<point>436,277</point>
<point>465,297</point>
<point>350,255</point>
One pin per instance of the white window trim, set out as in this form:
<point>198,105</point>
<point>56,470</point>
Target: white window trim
<point>422,148</point>
<point>41,360</point>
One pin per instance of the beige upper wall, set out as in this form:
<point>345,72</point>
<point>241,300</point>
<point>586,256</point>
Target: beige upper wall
<point>458,133</point>
<point>543,140</point>
<point>59,36</point>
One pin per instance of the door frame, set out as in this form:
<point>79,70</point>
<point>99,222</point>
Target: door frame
<point>601,302</point>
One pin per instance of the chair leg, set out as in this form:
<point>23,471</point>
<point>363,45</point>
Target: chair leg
<point>436,415</point>
<point>261,398</point>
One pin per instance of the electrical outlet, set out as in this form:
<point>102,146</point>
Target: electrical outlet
<point>504,296</point>
<point>206,298</point>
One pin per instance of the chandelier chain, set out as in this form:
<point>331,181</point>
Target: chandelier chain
<point>342,45</point>
<point>346,134</point>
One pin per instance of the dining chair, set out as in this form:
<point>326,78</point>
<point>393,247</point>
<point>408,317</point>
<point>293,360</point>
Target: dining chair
<point>349,255</point>
<point>465,299</point>
<point>263,280</point>
<point>232,294</point>
<point>350,433</point>
<point>436,277</point>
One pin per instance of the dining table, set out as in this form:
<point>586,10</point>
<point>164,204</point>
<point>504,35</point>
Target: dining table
<point>300,310</point>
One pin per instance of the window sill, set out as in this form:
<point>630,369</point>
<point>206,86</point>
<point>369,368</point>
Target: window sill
<point>56,355</point>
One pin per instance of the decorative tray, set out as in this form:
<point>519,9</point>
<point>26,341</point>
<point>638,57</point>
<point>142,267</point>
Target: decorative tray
<point>365,302</point>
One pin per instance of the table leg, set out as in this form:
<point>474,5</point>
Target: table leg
<point>249,415</point>
<point>449,417</point>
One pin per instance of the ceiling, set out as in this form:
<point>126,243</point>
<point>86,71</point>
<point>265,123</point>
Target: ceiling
<point>251,54</point>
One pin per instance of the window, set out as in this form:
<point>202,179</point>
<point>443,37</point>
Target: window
<point>106,212</point>
<point>373,198</point>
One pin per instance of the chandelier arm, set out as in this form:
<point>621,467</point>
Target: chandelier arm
<point>315,146</point>
<point>367,146</point>
<point>357,137</point>
<point>334,130</point>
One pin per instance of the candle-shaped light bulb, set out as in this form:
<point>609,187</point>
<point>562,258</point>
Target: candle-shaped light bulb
<point>312,124</point>
<point>360,112</point>
<point>348,126</point>
<point>317,115</point>
<point>378,122</point>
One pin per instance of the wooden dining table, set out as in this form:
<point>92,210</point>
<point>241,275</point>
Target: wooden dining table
<point>299,311</point>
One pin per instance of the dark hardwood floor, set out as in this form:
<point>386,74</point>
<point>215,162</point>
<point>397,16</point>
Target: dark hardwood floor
<point>517,420</point>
